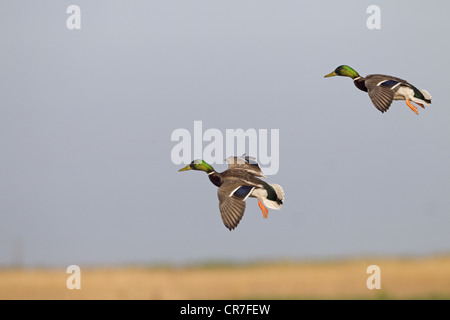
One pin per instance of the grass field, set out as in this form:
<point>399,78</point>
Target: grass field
<point>424,278</point>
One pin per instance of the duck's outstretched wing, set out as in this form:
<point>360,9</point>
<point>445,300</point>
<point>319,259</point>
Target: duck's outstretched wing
<point>232,196</point>
<point>246,163</point>
<point>381,97</point>
<point>382,89</point>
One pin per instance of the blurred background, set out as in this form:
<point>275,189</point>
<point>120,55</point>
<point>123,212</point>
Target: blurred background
<point>86,118</point>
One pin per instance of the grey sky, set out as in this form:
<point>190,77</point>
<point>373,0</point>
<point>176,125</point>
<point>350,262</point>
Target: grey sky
<point>86,118</point>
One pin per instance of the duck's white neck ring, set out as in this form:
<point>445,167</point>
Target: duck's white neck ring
<point>356,78</point>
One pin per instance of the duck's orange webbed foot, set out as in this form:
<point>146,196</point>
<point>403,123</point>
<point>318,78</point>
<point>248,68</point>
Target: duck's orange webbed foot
<point>413,108</point>
<point>264,210</point>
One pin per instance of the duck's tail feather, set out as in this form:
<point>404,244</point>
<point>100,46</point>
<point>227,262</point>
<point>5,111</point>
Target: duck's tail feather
<point>275,204</point>
<point>427,96</point>
<point>422,96</point>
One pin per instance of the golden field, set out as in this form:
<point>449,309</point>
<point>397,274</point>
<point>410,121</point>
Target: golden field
<point>421,278</point>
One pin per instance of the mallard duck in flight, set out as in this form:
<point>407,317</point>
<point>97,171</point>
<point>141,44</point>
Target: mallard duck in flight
<point>240,181</point>
<point>384,89</point>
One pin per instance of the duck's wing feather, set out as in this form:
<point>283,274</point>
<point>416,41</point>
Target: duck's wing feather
<point>381,90</point>
<point>232,196</point>
<point>246,163</point>
<point>381,77</point>
<point>381,97</point>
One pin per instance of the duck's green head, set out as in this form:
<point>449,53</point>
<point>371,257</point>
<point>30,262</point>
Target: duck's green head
<point>198,165</point>
<point>343,71</point>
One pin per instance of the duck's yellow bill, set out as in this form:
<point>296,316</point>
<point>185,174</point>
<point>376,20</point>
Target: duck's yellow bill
<point>188,167</point>
<point>332,74</point>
